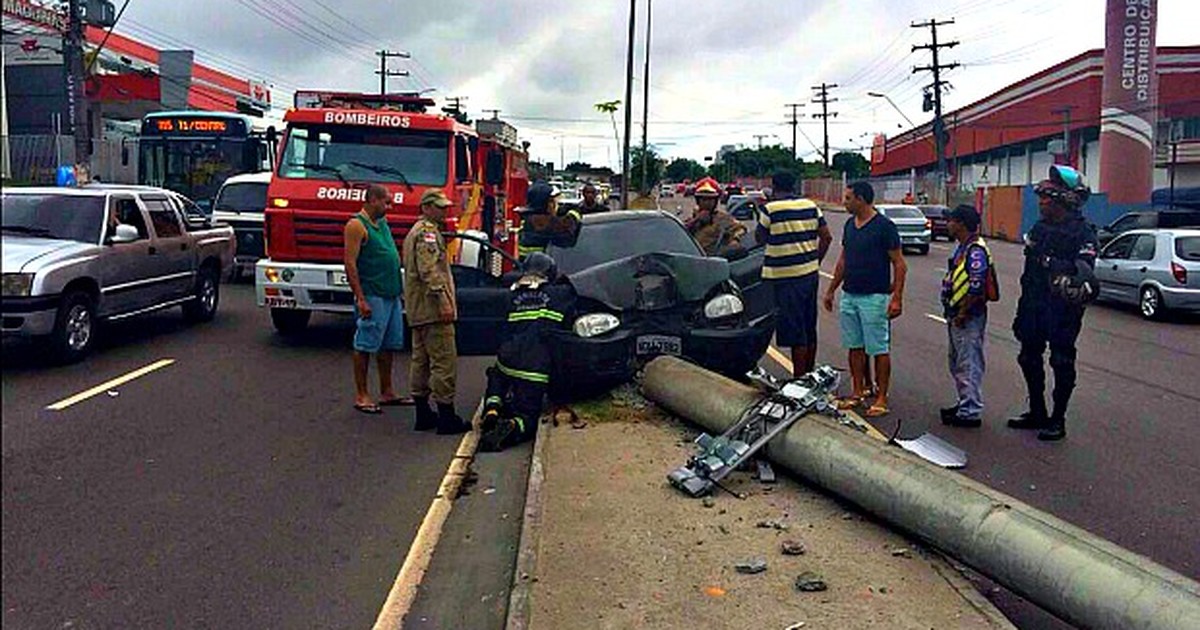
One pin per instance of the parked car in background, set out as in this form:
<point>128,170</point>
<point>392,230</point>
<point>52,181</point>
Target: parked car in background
<point>915,230</point>
<point>76,257</point>
<point>240,203</point>
<point>937,220</point>
<point>639,286</point>
<point>747,210</point>
<point>1157,270</point>
<point>570,198</point>
<point>666,190</point>
<point>1148,219</point>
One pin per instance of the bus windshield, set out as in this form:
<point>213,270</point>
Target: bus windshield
<point>196,167</point>
<point>366,154</point>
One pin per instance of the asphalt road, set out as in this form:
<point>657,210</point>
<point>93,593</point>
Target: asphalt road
<point>235,488</point>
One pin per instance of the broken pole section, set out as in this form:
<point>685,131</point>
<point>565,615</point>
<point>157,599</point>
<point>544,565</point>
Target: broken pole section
<point>1071,573</point>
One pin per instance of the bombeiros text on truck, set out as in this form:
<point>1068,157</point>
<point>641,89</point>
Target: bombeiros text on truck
<point>336,144</point>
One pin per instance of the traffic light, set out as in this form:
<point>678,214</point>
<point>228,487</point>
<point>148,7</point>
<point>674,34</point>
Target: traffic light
<point>100,13</point>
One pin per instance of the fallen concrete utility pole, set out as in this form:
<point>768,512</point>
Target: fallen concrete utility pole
<point>1075,575</point>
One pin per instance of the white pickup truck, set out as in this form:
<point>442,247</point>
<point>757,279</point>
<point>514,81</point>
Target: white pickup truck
<point>73,257</point>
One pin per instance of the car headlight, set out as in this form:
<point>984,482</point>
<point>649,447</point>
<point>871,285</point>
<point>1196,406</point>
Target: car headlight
<point>725,305</point>
<point>595,324</point>
<point>16,284</point>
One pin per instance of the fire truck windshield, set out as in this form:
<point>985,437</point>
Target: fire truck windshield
<point>366,154</point>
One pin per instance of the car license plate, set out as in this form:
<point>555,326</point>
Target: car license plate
<point>659,344</point>
<point>275,301</point>
<point>339,279</point>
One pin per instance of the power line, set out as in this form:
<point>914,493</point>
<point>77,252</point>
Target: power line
<point>822,97</point>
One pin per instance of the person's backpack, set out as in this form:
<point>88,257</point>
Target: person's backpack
<point>991,286</point>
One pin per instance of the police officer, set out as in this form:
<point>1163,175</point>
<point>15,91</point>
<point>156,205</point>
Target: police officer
<point>1056,284</point>
<point>517,382</point>
<point>429,301</point>
<point>718,233</point>
<point>543,223</point>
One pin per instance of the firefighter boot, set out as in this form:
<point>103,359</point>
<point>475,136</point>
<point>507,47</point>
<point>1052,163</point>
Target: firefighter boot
<point>426,417</point>
<point>1032,419</point>
<point>448,422</point>
<point>503,434</point>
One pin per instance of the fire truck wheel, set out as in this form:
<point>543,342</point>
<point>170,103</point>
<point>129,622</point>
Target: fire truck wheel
<point>290,322</point>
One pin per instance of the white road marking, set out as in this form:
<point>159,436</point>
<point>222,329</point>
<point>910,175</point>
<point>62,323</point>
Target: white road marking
<point>404,590</point>
<point>107,385</point>
<point>944,248</point>
<point>940,320</point>
<point>826,275</point>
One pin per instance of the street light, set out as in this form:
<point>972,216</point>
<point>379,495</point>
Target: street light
<point>893,104</point>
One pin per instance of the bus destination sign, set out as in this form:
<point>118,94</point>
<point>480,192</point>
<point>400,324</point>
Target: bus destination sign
<point>193,126</point>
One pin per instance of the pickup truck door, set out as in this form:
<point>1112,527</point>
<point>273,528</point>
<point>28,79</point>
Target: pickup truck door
<point>125,268</point>
<point>176,260</point>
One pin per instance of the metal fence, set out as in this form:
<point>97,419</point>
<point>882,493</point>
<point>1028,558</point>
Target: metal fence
<point>34,159</point>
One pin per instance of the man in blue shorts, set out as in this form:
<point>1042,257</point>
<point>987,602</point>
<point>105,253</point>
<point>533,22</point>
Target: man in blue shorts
<point>871,273</point>
<point>373,271</point>
<point>797,239</point>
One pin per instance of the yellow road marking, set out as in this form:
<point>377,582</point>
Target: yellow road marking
<point>107,385</point>
<point>404,590</point>
<point>786,364</point>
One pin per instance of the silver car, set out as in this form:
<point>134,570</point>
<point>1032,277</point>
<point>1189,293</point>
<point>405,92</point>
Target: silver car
<point>1157,270</point>
<point>914,228</point>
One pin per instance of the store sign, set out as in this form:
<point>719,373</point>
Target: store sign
<point>33,50</point>
<point>260,94</point>
<point>49,17</point>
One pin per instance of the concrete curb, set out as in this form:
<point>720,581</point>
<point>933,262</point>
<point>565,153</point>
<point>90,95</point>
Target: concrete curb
<point>954,576</point>
<point>524,573</point>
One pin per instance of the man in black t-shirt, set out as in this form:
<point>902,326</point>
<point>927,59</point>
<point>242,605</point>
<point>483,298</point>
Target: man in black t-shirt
<point>871,272</point>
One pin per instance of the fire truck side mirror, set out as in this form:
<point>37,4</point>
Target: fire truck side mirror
<point>495,168</point>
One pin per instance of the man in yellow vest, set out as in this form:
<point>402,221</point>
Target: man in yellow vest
<point>968,286</point>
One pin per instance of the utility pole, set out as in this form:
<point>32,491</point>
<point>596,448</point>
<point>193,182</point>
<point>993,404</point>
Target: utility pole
<point>823,98</point>
<point>494,112</point>
<point>625,178</point>
<point>759,137</point>
<point>795,121</point>
<point>939,125</point>
<point>455,107</point>
<point>646,106</point>
<point>1066,114</point>
<point>383,71</point>
<point>77,98</point>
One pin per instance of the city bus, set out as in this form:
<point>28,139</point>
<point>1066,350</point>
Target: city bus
<point>194,152</point>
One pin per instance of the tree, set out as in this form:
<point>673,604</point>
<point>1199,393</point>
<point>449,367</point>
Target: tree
<point>575,167</point>
<point>684,168</point>
<point>654,169</point>
<point>610,108</point>
<point>854,165</point>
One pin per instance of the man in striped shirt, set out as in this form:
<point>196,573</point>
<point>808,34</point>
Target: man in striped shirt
<point>797,239</point>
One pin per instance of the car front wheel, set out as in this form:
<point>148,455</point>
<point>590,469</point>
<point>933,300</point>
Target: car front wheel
<point>203,306</point>
<point>74,327</point>
<point>1150,303</point>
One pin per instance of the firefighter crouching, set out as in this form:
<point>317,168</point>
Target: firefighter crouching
<point>717,232</point>
<point>542,222</point>
<point>518,381</point>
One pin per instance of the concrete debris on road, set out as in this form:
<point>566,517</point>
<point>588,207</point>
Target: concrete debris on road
<point>792,548</point>
<point>810,582</point>
<point>751,567</point>
<point>709,502</point>
<point>902,552</point>
<point>772,524</point>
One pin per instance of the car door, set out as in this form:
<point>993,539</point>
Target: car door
<point>757,297</point>
<point>1137,268</point>
<point>125,268</point>
<point>175,258</point>
<point>482,303</point>
<point>1110,268</point>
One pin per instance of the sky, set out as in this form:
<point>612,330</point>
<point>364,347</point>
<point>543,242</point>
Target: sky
<point>721,71</point>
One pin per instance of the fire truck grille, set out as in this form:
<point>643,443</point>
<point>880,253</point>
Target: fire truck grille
<point>325,232</point>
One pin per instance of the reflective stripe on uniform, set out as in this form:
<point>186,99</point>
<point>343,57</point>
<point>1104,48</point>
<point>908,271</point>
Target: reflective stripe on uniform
<point>525,250</point>
<point>960,283</point>
<point>541,313</point>
<point>535,377</point>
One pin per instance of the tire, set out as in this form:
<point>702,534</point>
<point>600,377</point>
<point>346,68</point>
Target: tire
<point>74,327</point>
<point>289,322</point>
<point>203,305</point>
<point>1150,304</point>
<point>923,250</point>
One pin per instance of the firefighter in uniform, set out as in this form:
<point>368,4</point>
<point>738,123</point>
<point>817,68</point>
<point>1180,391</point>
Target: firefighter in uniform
<point>429,303</point>
<point>543,223</point>
<point>717,232</point>
<point>517,382</point>
<point>1056,285</point>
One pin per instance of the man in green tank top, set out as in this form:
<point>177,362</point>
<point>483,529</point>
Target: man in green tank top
<point>373,271</point>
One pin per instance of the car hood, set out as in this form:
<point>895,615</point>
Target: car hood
<point>20,251</point>
<point>650,281</point>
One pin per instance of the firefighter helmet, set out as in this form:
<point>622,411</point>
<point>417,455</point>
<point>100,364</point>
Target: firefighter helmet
<point>707,187</point>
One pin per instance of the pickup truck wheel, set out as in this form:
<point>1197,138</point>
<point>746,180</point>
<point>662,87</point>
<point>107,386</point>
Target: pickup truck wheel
<point>74,327</point>
<point>290,322</point>
<point>203,306</point>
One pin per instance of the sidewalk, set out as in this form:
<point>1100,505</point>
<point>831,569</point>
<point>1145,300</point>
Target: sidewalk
<point>619,548</point>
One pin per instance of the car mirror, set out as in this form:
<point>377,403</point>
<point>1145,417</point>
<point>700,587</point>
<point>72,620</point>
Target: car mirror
<point>124,234</point>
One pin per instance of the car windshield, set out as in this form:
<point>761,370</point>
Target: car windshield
<point>248,197</point>
<point>67,217</point>
<point>606,241</point>
<point>1188,247</point>
<point>366,154</point>
<point>934,212</point>
<point>902,212</point>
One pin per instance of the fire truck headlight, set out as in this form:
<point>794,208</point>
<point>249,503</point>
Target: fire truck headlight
<point>279,202</point>
<point>272,274</point>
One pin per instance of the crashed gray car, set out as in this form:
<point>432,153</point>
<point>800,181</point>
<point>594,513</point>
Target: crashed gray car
<point>74,257</point>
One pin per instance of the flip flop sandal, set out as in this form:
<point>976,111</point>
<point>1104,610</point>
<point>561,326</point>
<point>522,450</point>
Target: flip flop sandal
<point>877,411</point>
<point>371,409</point>
<point>401,401</point>
<point>848,402</point>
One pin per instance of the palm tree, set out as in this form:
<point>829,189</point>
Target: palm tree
<point>610,108</point>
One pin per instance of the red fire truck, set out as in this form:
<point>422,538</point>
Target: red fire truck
<point>335,144</point>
